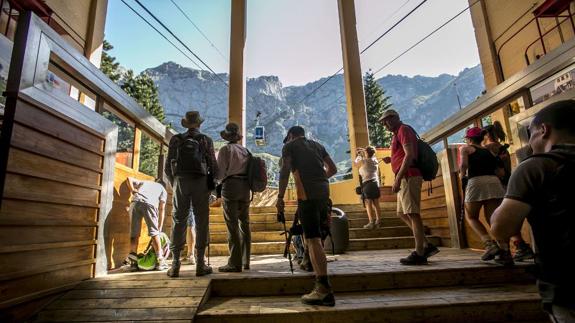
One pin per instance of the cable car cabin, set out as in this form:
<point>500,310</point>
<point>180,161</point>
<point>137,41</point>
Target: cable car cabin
<point>259,136</point>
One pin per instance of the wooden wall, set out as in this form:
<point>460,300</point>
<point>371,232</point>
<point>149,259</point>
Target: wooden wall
<point>117,230</point>
<point>51,198</point>
<point>434,209</point>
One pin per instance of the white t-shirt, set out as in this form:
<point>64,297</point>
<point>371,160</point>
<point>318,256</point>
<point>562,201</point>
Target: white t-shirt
<point>368,168</point>
<point>149,192</point>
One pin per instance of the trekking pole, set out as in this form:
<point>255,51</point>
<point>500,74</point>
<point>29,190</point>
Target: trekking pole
<point>281,218</point>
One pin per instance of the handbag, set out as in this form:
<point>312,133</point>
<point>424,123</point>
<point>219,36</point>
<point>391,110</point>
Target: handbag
<point>358,189</point>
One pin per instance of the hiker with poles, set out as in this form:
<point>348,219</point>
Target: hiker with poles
<point>311,166</point>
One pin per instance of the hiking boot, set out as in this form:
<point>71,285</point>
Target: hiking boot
<point>230,269</point>
<point>370,225</point>
<point>246,267</point>
<point>174,271</point>
<point>320,295</point>
<point>504,258</point>
<point>491,250</point>
<point>430,250</point>
<point>413,260</point>
<point>162,264</point>
<point>523,251</point>
<point>202,269</point>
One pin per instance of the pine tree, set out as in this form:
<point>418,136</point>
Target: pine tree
<point>109,65</point>
<point>376,103</point>
<point>145,92</point>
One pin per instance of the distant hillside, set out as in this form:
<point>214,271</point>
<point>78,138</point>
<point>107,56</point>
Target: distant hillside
<point>422,102</point>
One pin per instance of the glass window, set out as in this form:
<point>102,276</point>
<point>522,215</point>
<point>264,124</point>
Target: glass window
<point>125,146</point>
<point>458,138</point>
<point>149,156</point>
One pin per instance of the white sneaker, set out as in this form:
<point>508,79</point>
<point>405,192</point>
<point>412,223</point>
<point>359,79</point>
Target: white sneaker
<point>162,264</point>
<point>370,225</point>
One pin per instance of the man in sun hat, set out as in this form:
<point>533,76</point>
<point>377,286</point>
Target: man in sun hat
<point>191,166</point>
<point>233,161</point>
<point>407,184</point>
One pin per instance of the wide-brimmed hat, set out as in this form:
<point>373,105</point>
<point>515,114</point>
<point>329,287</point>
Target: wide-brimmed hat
<point>388,113</point>
<point>474,132</point>
<point>231,133</point>
<point>192,119</point>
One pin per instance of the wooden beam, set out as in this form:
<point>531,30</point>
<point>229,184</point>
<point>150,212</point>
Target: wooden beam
<point>237,89</point>
<point>356,113</point>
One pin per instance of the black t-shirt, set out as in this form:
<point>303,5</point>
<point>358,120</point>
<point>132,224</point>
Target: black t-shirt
<point>546,184</point>
<point>307,159</point>
<point>481,163</point>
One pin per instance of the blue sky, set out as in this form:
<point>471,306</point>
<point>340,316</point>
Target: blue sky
<point>298,40</point>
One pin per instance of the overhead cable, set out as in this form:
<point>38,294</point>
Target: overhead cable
<point>200,31</point>
<point>180,41</point>
<point>363,51</point>
<point>160,33</point>
<point>424,38</point>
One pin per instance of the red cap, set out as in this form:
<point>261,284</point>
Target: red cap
<point>474,132</point>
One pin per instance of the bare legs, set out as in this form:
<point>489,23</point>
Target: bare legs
<point>317,256</point>
<point>373,209</point>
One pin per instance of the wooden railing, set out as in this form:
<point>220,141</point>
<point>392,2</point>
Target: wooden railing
<point>57,169</point>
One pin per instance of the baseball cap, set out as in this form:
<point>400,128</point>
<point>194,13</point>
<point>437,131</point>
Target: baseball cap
<point>389,113</point>
<point>474,132</point>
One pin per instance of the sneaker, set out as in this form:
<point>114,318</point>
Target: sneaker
<point>230,269</point>
<point>491,250</point>
<point>413,260</point>
<point>203,269</point>
<point>378,223</point>
<point>190,260</point>
<point>370,225</point>
<point>504,258</point>
<point>130,259</point>
<point>523,251</point>
<point>320,295</point>
<point>430,250</point>
<point>174,271</point>
<point>162,264</point>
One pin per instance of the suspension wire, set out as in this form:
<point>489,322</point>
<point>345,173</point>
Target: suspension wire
<point>363,51</point>
<point>426,37</point>
<point>199,30</point>
<point>386,19</point>
<point>160,33</point>
<point>180,41</point>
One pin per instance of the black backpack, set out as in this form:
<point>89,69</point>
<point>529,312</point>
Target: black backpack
<point>191,156</point>
<point>426,161</point>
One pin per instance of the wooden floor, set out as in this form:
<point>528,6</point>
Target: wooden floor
<point>363,281</point>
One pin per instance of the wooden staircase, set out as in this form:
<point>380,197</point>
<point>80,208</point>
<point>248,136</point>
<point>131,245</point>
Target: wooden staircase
<point>377,289</point>
<point>266,238</point>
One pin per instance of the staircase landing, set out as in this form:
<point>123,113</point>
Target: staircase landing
<point>370,286</point>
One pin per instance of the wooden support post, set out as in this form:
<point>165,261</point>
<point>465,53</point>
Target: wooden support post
<point>95,32</point>
<point>452,196</point>
<point>137,149</point>
<point>356,114</point>
<point>237,89</point>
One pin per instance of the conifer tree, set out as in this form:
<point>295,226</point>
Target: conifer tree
<point>376,103</point>
<point>145,92</point>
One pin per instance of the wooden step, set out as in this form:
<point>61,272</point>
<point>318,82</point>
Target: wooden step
<point>397,231</point>
<point>377,274</point>
<point>483,303</point>
<point>255,226</point>
<point>387,221</point>
<point>258,248</point>
<point>363,214</point>
<point>257,236</point>
<point>387,243</point>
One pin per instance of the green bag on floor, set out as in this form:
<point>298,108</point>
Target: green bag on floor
<point>148,260</point>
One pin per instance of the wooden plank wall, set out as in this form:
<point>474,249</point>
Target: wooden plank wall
<point>434,210</point>
<point>118,220</point>
<point>48,219</point>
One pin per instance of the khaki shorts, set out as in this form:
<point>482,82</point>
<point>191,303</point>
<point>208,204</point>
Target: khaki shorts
<point>409,195</point>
